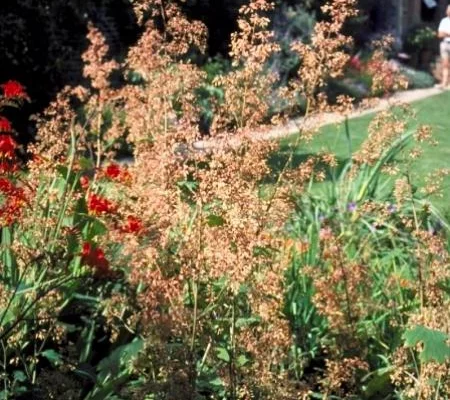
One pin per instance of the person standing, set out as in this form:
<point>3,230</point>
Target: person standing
<point>444,34</point>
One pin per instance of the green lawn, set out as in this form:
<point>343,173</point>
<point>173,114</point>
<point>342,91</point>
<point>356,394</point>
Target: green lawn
<point>434,111</point>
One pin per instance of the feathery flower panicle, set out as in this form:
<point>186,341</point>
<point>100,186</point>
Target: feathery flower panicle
<point>54,128</point>
<point>207,218</point>
<point>383,130</point>
<point>96,67</point>
<point>324,56</point>
<point>386,75</point>
<point>249,86</point>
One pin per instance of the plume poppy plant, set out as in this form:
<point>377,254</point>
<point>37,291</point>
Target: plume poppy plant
<point>13,89</point>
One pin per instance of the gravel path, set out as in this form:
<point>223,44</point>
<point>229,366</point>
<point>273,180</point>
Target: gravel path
<point>293,126</point>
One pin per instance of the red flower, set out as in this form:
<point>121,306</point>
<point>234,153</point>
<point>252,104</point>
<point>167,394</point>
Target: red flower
<point>355,63</point>
<point>133,225</point>
<point>84,182</point>
<point>13,201</point>
<point>112,171</point>
<point>13,89</point>
<point>8,166</point>
<point>115,172</point>
<point>7,146</point>
<point>6,186</point>
<point>5,125</point>
<point>94,257</point>
<point>100,205</point>
<point>86,251</point>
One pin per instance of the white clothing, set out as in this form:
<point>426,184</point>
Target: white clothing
<point>430,3</point>
<point>444,26</point>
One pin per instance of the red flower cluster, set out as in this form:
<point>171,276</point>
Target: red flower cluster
<point>5,125</point>
<point>355,63</point>
<point>13,89</point>
<point>84,182</point>
<point>13,201</point>
<point>112,171</point>
<point>99,205</point>
<point>7,187</point>
<point>8,146</point>
<point>12,198</point>
<point>133,225</point>
<point>115,172</point>
<point>94,257</point>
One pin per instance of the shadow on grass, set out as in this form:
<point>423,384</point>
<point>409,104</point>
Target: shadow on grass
<point>277,162</point>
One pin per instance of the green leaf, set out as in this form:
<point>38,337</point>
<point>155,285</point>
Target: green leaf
<point>118,359</point>
<point>86,371</point>
<point>260,251</point>
<point>68,176</point>
<point>19,376</point>
<point>216,382</point>
<point>222,354</point>
<point>6,317</point>
<point>215,220</point>
<point>86,163</point>
<point>10,271</point>
<point>435,345</point>
<point>242,360</point>
<point>378,382</point>
<point>93,228</point>
<point>244,322</point>
<point>63,170</point>
<point>52,356</point>
<point>106,391</point>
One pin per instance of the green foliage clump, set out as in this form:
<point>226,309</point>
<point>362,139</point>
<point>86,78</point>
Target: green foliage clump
<point>418,79</point>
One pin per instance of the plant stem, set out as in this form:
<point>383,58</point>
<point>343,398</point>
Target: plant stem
<point>232,363</point>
